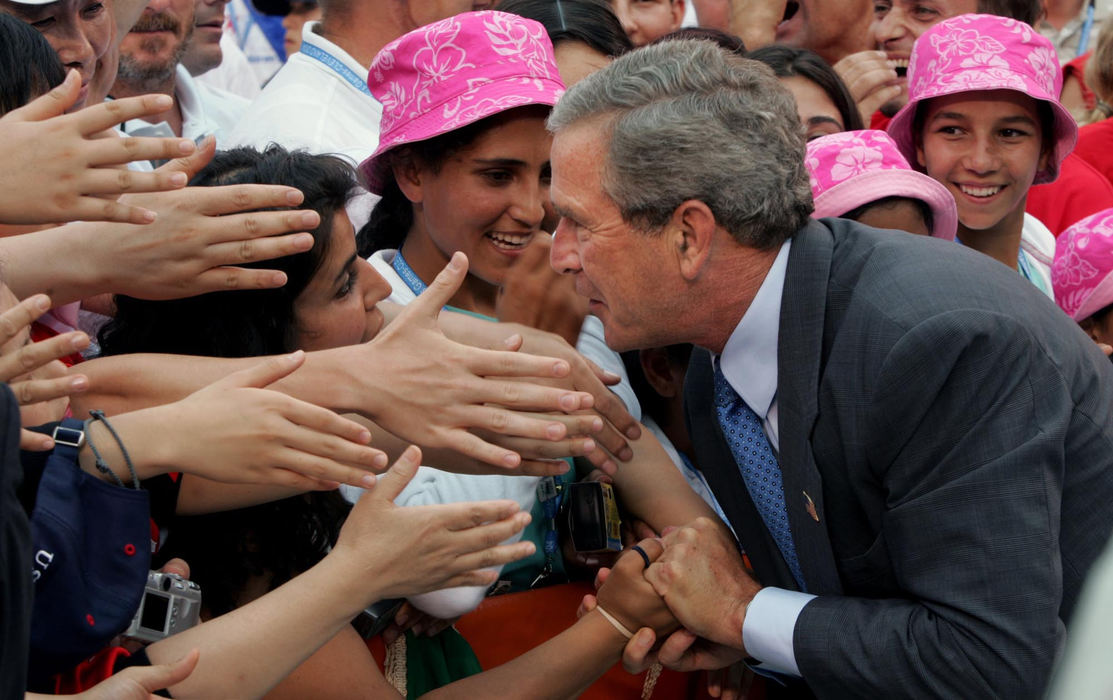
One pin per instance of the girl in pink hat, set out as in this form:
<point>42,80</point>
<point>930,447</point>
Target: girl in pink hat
<point>1082,275</point>
<point>984,120</point>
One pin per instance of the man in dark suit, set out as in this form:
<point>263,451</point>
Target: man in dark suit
<point>913,445</point>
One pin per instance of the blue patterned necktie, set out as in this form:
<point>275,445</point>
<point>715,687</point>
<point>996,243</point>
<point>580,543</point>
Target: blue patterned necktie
<point>759,468</point>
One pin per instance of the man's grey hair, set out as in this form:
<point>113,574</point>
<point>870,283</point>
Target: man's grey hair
<point>688,120</point>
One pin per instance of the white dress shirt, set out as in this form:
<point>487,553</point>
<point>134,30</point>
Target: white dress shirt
<point>749,363</point>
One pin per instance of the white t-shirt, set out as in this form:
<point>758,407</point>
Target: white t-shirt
<point>319,102</point>
<point>234,74</point>
<point>205,111</point>
<point>1037,245</point>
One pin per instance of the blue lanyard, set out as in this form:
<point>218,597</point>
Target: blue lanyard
<point>407,274</point>
<point>417,286</point>
<point>1087,27</point>
<point>337,66</point>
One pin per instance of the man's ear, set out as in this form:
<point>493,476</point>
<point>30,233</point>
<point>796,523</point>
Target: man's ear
<point>409,178</point>
<point>660,372</point>
<point>691,231</point>
<point>677,9</point>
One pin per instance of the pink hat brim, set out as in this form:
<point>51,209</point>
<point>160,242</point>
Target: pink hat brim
<point>498,97</point>
<point>1099,297</point>
<point>878,184</point>
<point>1064,129</point>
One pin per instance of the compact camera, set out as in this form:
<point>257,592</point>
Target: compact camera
<point>170,604</point>
<point>590,517</point>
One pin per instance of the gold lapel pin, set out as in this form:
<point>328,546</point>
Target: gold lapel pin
<point>810,506</point>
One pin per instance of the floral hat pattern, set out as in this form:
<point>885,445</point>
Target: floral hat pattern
<point>853,168</point>
<point>985,52</point>
<point>1082,273</point>
<point>454,72</point>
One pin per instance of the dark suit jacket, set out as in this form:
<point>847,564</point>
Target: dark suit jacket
<point>952,427</point>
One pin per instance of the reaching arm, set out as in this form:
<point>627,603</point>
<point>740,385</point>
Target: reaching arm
<point>383,552</point>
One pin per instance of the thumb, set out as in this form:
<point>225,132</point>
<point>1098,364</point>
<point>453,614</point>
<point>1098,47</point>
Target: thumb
<point>264,373</point>
<point>446,284</point>
<point>194,162</point>
<point>53,103</point>
<point>154,678</point>
<point>399,475</point>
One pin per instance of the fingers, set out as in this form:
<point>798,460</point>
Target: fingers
<point>176,566</point>
<point>154,678</point>
<point>194,162</point>
<point>608,405</point>
<point>256,227</point>
<point>542,467</point>
<point>52,104</point>
<point>444,286</point>
<point>263,374</point>
<point>31,391</point>
<point>494,363</point>
<point>108,114</point>
<point>232,199</point>
<point>638,654</point>
<point>495,556</point>
<point>614,443</point>
<point>33,356</point>
<point>535,450</point>
<point>400,474</point>
<point>34,442</point>
<point>19,317</point>
<point>674,653</point>
<point>630,559</point>
<point>121,150</point>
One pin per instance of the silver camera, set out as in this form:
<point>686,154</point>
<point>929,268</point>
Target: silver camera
<point>170,604</point>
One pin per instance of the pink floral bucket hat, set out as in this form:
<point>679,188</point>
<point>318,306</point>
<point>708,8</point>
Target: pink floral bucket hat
<point>1082,274</point>
<point>454,72</point>
<point>853,168</point>
<point>985,52</point>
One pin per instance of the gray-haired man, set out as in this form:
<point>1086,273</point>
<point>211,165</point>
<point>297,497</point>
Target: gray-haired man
<point>912,444</point>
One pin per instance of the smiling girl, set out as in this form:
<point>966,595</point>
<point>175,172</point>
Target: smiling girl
<point>983,119</point>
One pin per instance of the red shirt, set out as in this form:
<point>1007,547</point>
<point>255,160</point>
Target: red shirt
<point>1079,191</point>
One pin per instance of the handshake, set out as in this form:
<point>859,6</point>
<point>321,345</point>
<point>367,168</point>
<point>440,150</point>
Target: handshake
<point>681,599</point>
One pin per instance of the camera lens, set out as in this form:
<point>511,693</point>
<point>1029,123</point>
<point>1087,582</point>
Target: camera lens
<point>166,583</point>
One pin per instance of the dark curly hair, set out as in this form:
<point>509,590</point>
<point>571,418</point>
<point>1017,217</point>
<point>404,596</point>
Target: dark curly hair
<point>274,540</point>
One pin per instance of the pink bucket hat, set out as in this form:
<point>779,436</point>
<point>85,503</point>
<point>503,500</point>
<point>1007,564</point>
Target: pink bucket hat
<point>454,72</point>
<point>985,52</point>
<point>853,168</point>
<point>1082,274</point>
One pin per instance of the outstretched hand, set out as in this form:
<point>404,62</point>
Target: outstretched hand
<point>26,366</point>
<point>141,682</point>
<point>254,435</point>
<point>202,237</point>
<point>437,390</point>
<point>60,167</point>
<point>410,550</point>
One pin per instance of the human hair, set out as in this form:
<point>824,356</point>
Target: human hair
<point>393,214</point>
<point>921,206</point>
<point>29,66</point>
<point>1099,73</point>
<point>789,62</point>
<point>688,120</point>
<point>241,323</point>
<point>591,22</point>
<point>730,42</point>
<point>1026,11</point>
<point>277,540</point>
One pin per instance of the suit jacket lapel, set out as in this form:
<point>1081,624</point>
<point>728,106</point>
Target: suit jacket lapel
<point>799,356</point>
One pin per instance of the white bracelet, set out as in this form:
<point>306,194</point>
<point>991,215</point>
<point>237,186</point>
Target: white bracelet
<point>617,625</point>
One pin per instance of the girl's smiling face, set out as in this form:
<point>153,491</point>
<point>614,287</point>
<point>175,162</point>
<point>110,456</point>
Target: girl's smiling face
<point>985,147</point>
<point>486,199</point>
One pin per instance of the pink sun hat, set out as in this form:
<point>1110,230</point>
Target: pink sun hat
<point>1082,274</point>
<point>853,168</point>
<point>985,52</point>
<point>454,72</point>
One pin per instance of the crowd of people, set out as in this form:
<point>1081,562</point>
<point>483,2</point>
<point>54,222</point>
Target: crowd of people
<point>556,348</point>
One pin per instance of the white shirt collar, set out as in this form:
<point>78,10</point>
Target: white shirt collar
<point>749,358</point>
<point>194,122</point>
